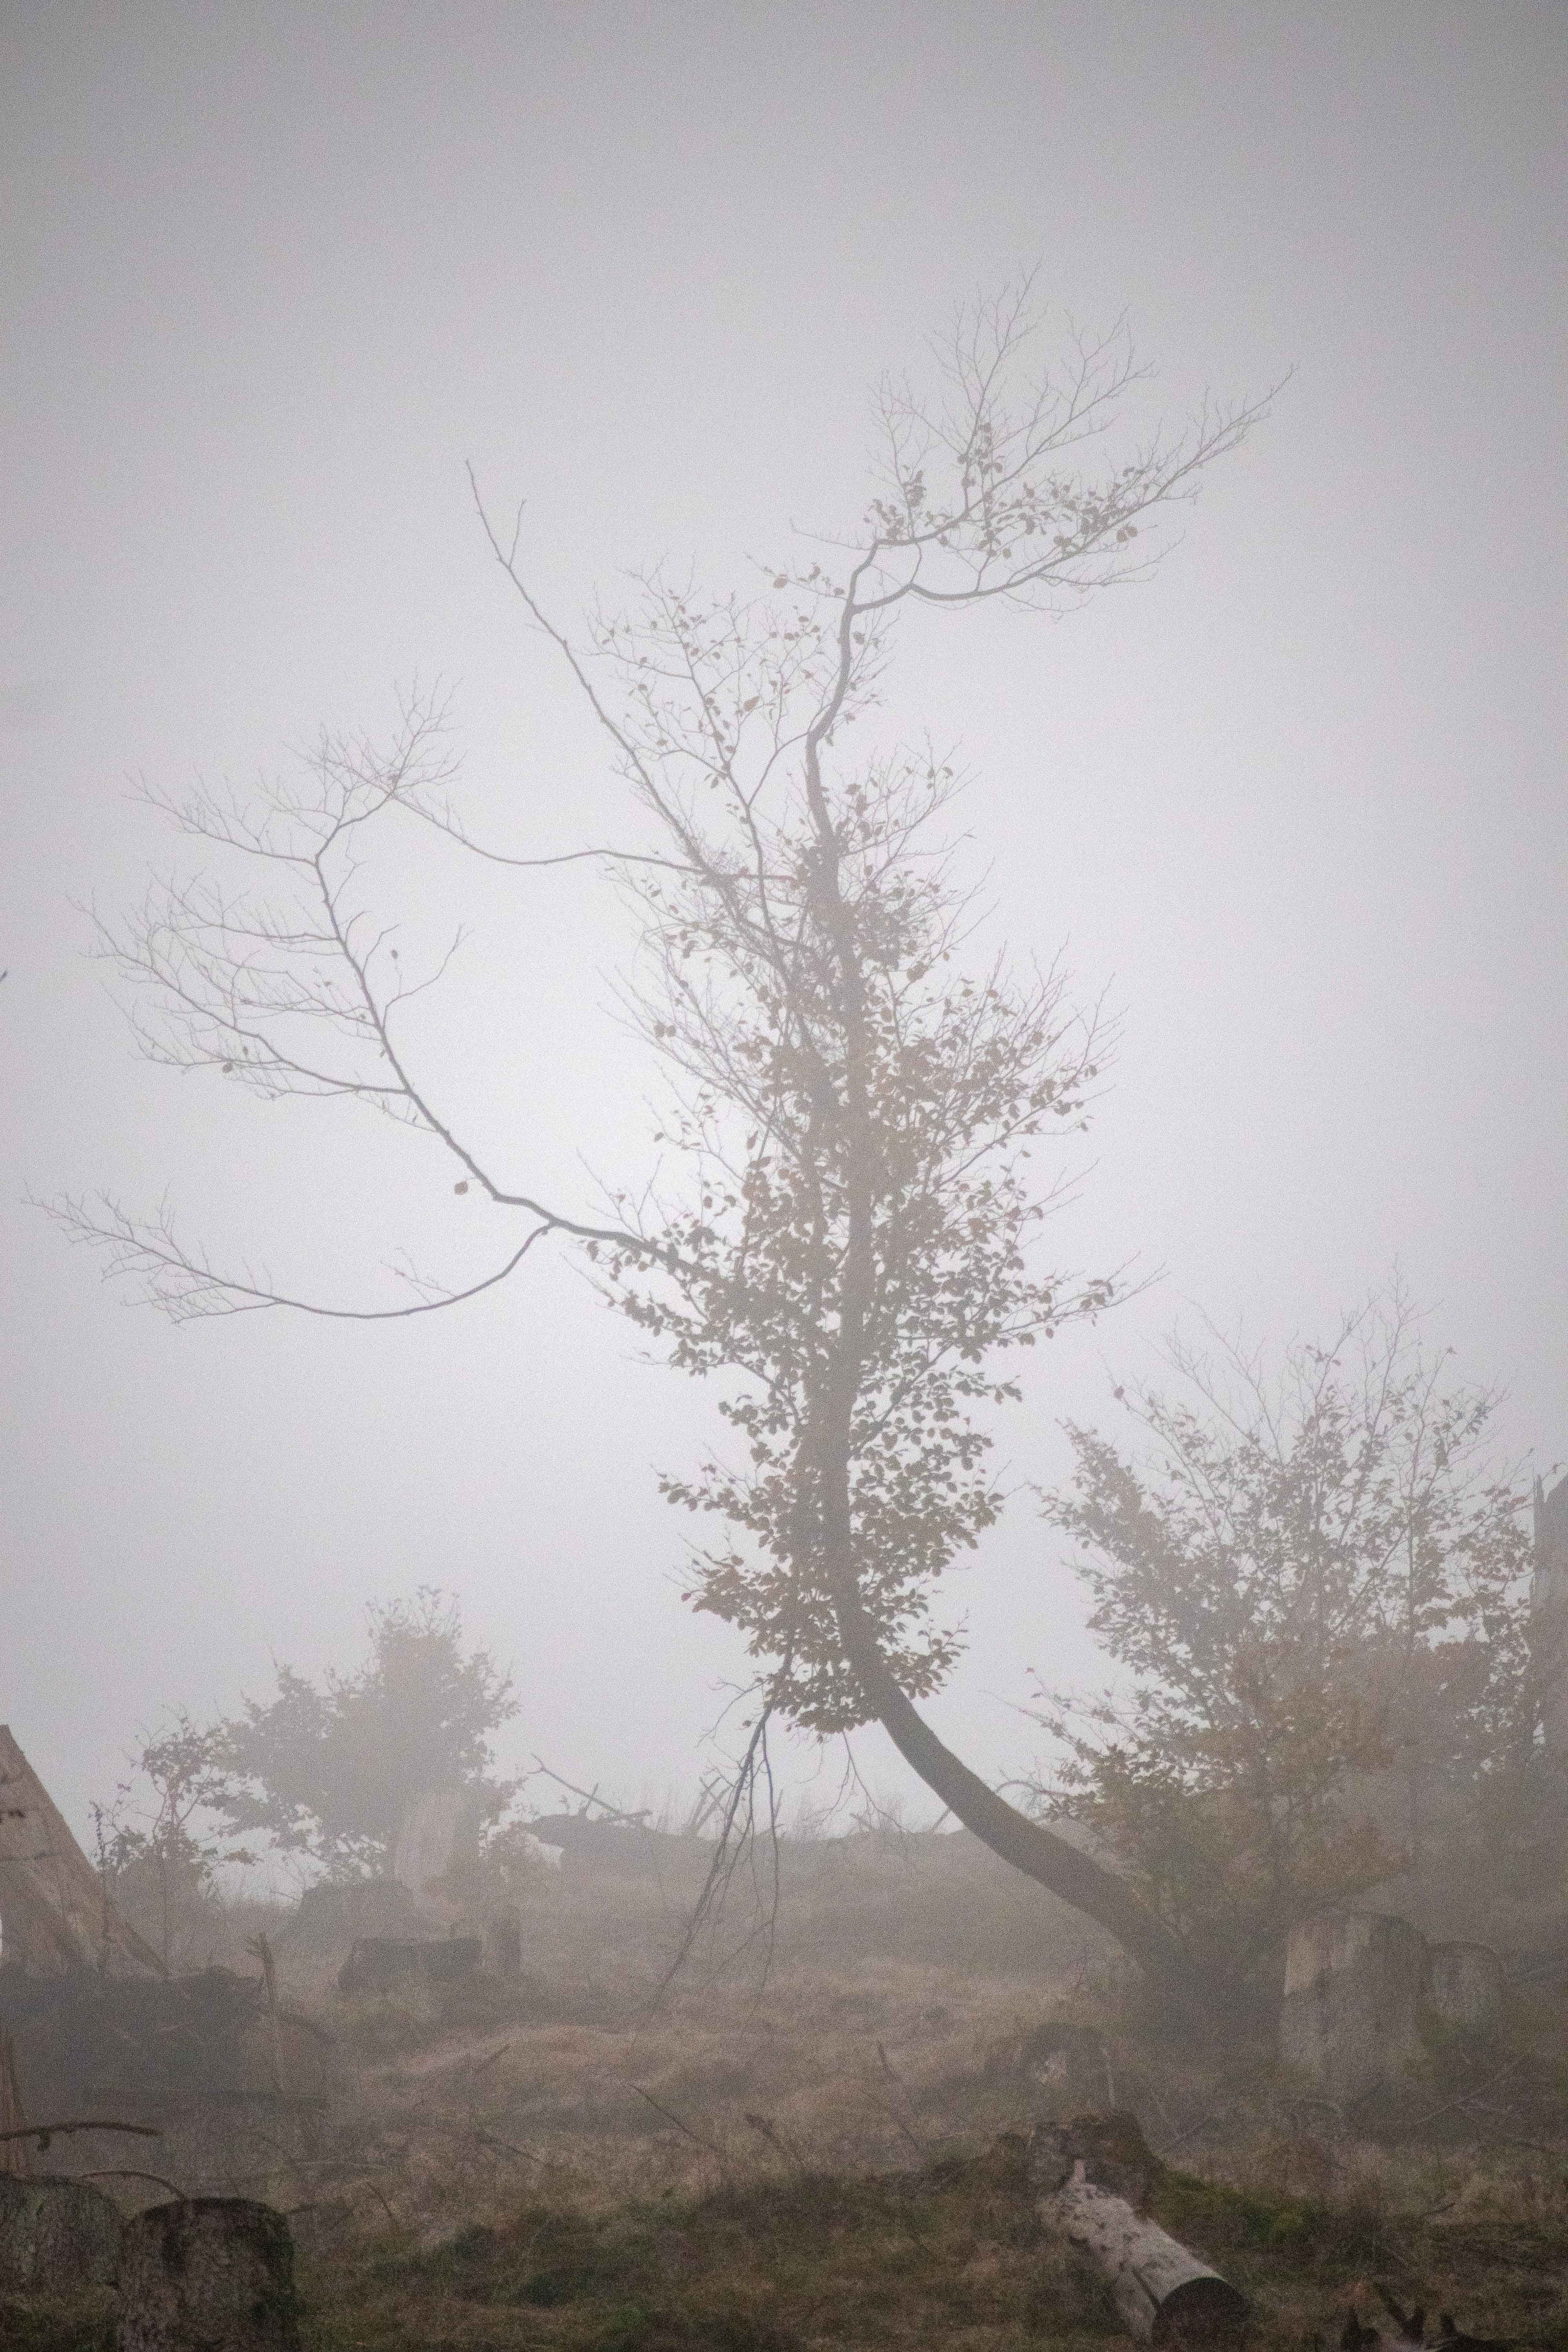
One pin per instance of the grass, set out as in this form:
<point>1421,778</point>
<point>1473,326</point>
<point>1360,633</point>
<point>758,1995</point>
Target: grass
<point>79,2323</point>
<point>949,2254</point>
<point>831,2157</point>
<point>952,2255</point>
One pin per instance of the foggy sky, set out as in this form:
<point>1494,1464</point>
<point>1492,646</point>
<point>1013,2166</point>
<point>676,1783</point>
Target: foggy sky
<point>274,273</point>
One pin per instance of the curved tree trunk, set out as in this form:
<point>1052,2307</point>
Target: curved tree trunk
<point>1063,1869</point>
<point>827,1447</point>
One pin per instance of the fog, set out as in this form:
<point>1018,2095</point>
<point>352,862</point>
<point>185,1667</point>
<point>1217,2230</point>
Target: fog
<point>275,276</point>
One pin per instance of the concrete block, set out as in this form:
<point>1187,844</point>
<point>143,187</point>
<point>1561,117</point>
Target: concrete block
<point>1355,1987</point>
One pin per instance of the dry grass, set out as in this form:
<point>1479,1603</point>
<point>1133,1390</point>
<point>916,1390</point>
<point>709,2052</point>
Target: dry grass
<point>943,2254</point>
<point>829,2155</point>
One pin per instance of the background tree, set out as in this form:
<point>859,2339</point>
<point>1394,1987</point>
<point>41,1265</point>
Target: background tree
<point>330,1769</point>
<point>160,1846</point>
<point>1318,1582</point>
<point>853,1108</point>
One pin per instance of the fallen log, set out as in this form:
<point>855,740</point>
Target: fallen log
<point>1165,2294</point>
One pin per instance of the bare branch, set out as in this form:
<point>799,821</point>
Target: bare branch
<point>168,1274</point>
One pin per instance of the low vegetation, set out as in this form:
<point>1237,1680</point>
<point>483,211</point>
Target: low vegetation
<point>827,2149</point>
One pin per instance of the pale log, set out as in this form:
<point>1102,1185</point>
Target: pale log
<point>1165,2294</point>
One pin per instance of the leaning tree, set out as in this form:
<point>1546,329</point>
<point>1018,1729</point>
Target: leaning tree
<point>850,1252</point>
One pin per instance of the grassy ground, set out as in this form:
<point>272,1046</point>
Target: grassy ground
<point>950,2254</point>
<point>830,2153</point>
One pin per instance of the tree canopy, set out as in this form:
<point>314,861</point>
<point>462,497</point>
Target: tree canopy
<point>328,1770</point>
<point>1316,1576</point>
<point>850,1250</point>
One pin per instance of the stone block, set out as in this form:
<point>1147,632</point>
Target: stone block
<point>207,2274</point>
<point>1356,1988</point>
<point>56,2235</point>
<point>1463,1991</point>
<point>377,1963</point>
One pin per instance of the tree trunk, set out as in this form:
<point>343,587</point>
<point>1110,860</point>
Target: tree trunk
<point>1041,1855</point>
<point>1062,1869</point>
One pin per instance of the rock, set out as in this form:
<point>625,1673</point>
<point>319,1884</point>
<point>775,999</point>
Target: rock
<point>336,1914</point>
<point>503,1943</point>
<point>133,2047</point>
<point>377,1962</point>
<point>1463,1991</point>
<point>56,2235</point>
<point>429,1840</point>
<point>207,2274</point>
<point>1356,1986</point>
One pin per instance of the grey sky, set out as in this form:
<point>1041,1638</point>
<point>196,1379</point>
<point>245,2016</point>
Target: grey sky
<point>276,272</point>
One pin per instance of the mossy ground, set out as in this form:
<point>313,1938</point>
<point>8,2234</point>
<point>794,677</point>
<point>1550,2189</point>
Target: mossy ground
<point>951,2256</point>
<point>832,2157</point>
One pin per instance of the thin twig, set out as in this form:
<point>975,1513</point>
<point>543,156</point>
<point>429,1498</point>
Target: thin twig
<point>475,2072</point>
<point>131,2172</point>
<point>670,2117</point>
<point>44,2133</point>
<point>592,1797</point>
<point>1191,2132</point>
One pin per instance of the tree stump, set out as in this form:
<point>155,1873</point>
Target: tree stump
<point>1355,1986</point>
<point>1066,2070</point>
<point>1109,2149</point>
<point>1165,2294</point>
<point>56,2235</point>
<point>207,2274</point>
<point>1463,1991</point>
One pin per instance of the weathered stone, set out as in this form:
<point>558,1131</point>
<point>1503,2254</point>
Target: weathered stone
<point>336,1914</point>
<point>207,2274</point>
<point>55,1913</point>
<point>428,1838</point>
<point>1355,1984</point>
<point>503,1943</point>
<point>134,2048</point>
<point>1463,1991</point>
<point>13,2116</point>
<point>378,1962</point>
<point>56,2235</point>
